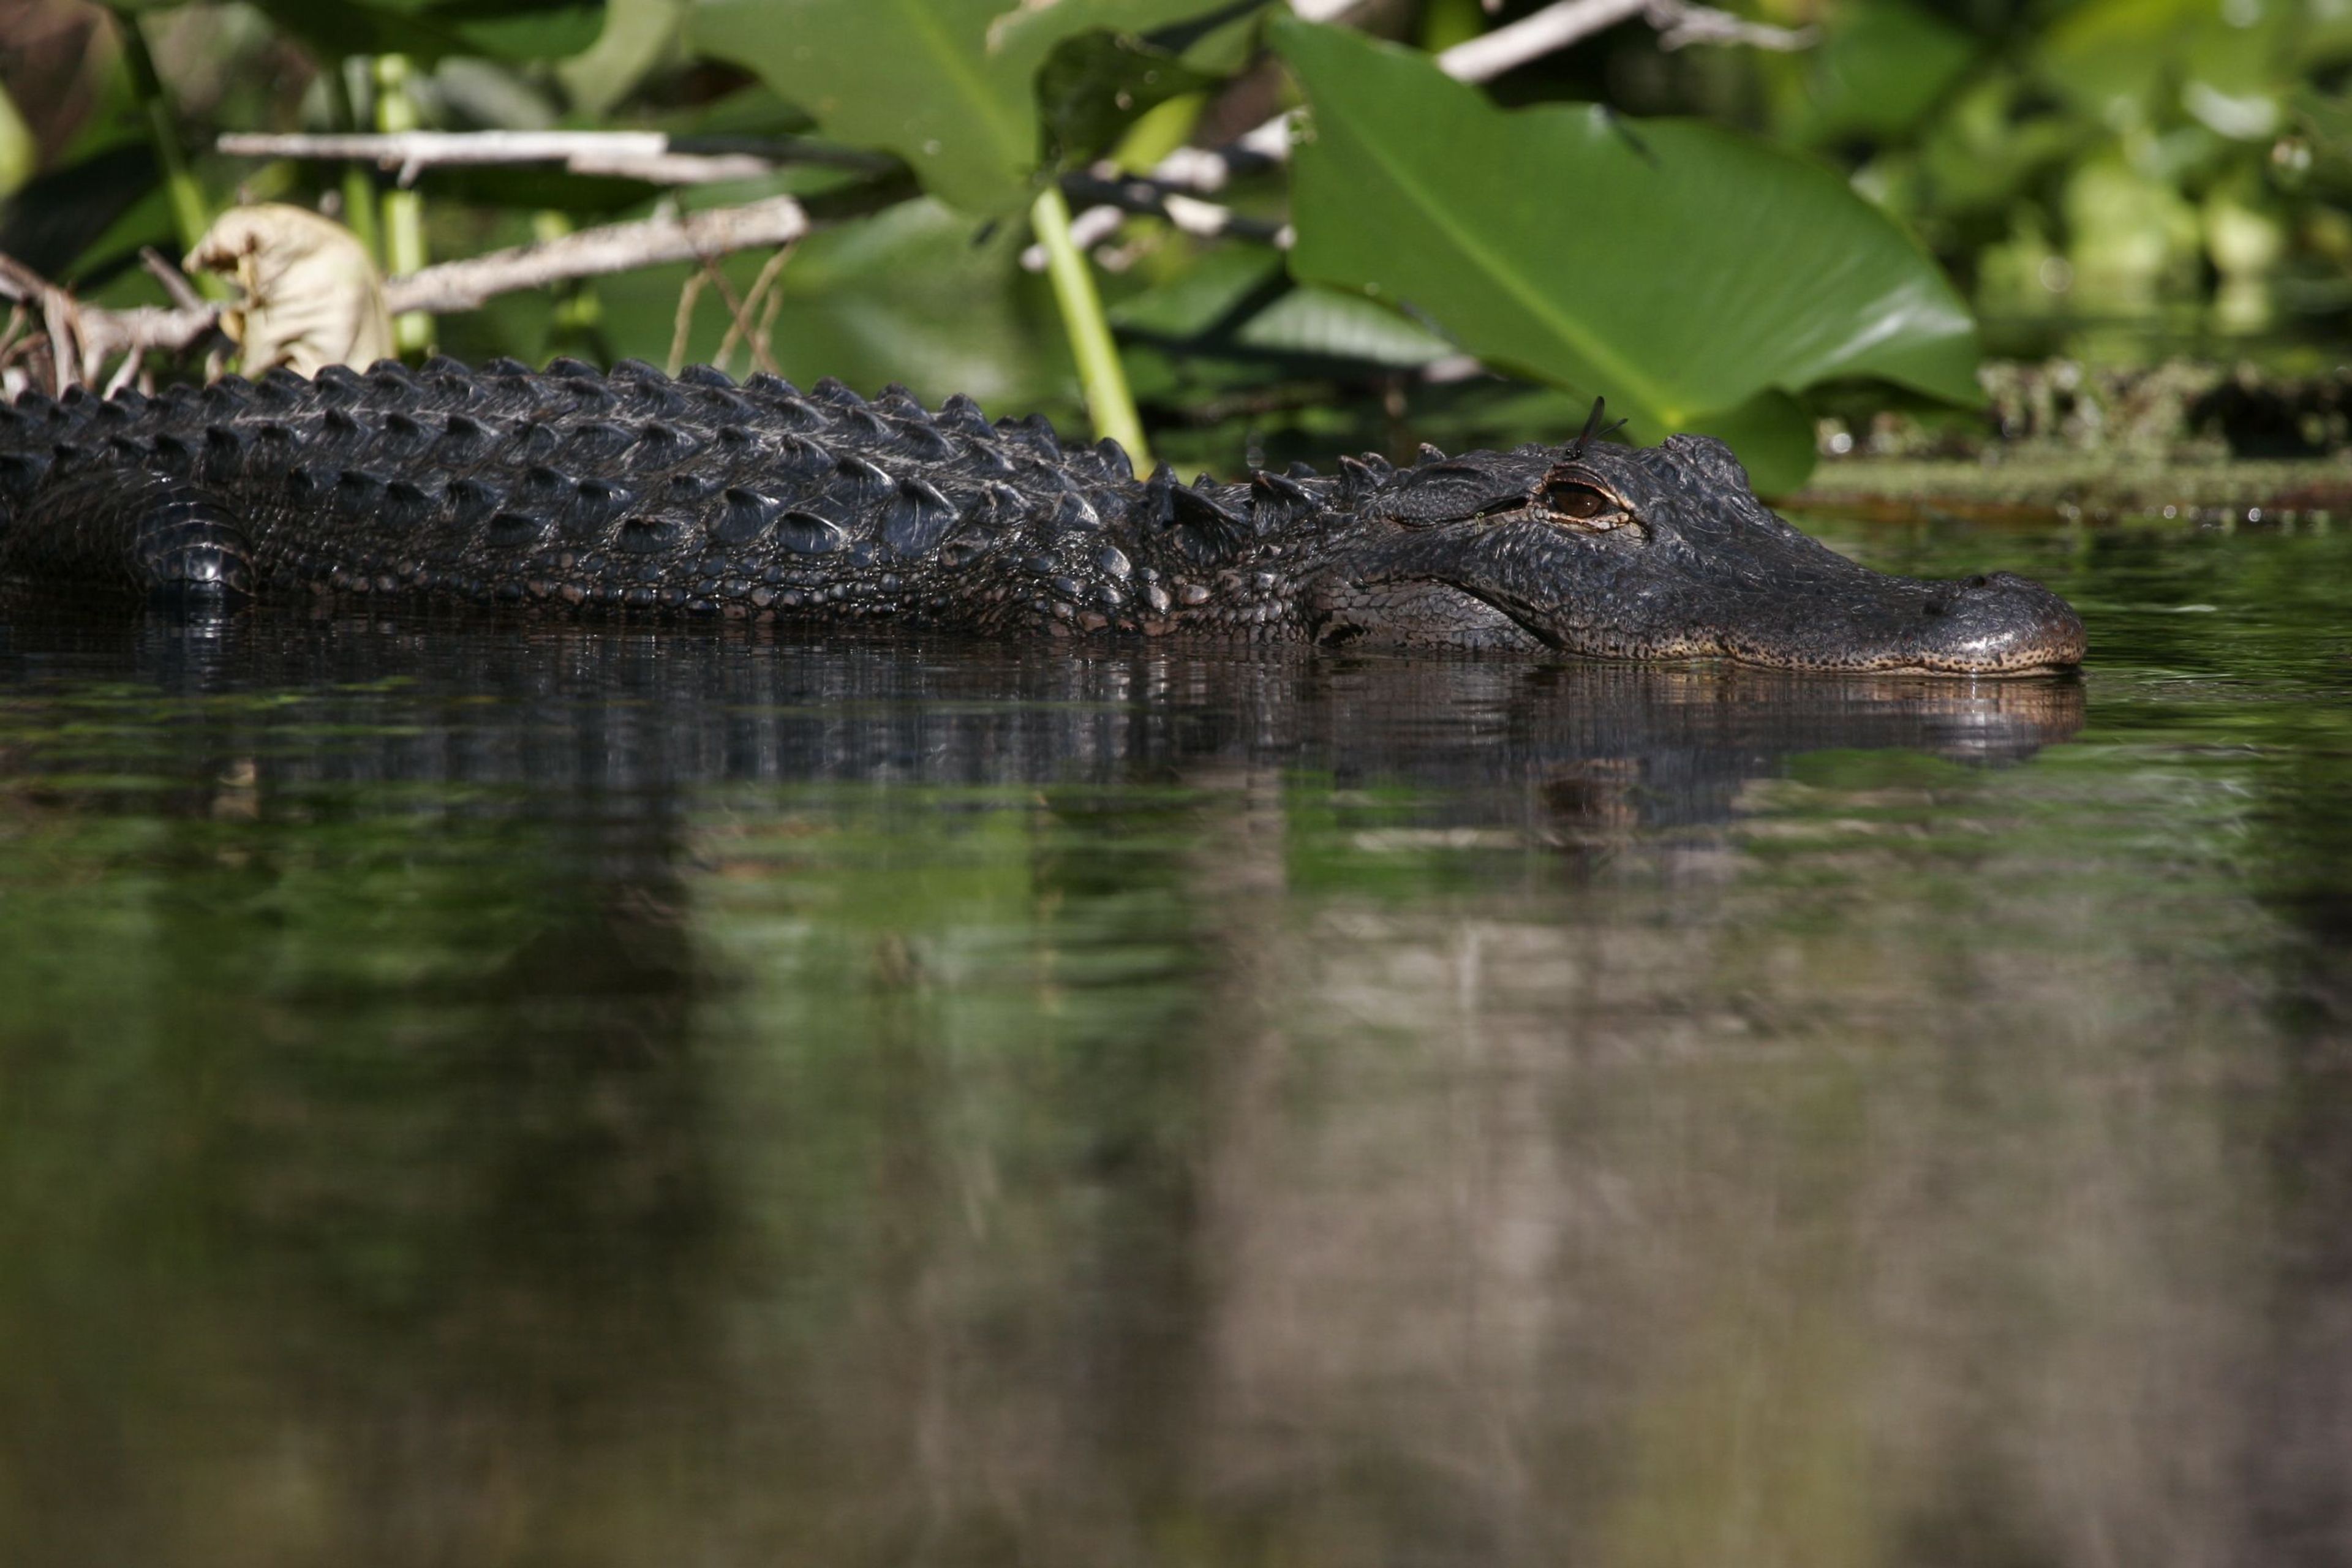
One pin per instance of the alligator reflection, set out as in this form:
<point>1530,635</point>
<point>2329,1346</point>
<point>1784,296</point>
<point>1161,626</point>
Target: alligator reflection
<point>621,713</point>
<point>614,1097</point>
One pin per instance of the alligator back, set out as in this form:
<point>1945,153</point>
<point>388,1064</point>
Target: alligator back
<point>570,488</point>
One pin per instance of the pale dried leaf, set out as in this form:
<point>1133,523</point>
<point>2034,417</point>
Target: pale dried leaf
<point>312,294</point>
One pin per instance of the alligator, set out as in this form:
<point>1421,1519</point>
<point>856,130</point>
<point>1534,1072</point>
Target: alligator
<point>572,490</point>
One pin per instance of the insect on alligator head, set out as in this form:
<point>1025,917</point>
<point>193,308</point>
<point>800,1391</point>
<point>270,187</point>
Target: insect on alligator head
<point>1657,552</point>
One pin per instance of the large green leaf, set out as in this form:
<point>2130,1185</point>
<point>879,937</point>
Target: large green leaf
<point>1682,271</point>
<point>1883,65</point>
<point>948,85</point>
<point>430,30</point>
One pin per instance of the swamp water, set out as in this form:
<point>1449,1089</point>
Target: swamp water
<point>474,1095</point>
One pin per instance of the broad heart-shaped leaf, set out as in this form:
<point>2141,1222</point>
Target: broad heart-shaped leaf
<point>1680,270</point>
<point>948,85</point>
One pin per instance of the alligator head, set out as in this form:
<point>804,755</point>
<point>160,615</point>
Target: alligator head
<point>1656,553</point>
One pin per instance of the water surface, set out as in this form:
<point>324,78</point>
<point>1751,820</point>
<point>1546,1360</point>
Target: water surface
<point>472,1094</point>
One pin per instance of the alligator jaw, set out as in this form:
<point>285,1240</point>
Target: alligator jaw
<point>1997,625</point>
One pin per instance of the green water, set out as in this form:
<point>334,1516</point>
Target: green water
<point>477,1095</point>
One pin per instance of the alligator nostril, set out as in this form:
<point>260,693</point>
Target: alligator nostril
<point>1979,582</point>
<point>1932,608</point>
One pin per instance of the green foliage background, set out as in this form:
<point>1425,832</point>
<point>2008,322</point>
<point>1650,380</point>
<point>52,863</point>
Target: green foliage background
<point>1720,237</point>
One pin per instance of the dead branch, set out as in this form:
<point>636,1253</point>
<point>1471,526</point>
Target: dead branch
<point>79,339</point>
<point>653,156</point>
<point>595,252</point>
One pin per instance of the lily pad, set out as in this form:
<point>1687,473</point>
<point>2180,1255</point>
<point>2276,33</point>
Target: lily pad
<point>948,85</point>
<point>1693,275</point>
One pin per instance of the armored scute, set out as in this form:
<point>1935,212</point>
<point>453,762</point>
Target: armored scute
<point>574,491</point>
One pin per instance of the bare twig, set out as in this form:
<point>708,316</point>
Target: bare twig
<point>593,252</point>
<point>739,312</point>
<point>741,328</point>
<point>1547,31</point>
<point>681,324</point>
<point>649,156</point>
<point>80,339</point>
<point>174,281</point>
<point>1119,196</point>
<point>127,372</point>
<point>1680,26</point>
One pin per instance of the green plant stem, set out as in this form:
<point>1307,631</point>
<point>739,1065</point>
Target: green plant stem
<point>358,184</point>
<point>190,216</point>
<point>404,210</point>
<point>1108,400</point>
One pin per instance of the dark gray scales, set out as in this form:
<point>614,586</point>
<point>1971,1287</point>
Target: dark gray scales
<point>569,490</point>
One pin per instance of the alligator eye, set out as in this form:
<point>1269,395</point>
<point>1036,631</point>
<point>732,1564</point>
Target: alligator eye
<point>1572,501</point>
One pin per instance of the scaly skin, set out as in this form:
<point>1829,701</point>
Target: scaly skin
<point>574,493</point>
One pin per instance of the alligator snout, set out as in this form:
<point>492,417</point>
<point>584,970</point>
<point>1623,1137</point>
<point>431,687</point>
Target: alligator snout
<point>1996,623</point>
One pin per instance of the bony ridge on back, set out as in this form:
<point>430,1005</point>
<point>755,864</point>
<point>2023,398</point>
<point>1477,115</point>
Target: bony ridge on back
<point>571,490</point>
